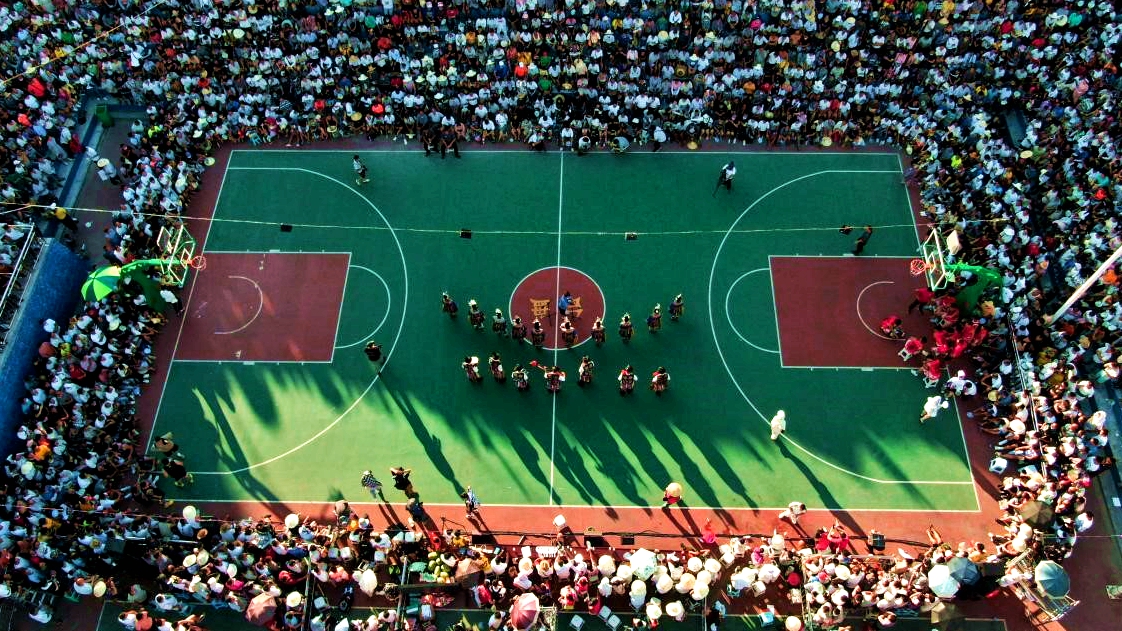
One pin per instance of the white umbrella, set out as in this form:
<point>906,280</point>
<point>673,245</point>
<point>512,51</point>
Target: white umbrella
<point>694,565</point>
<point>713,566</point>
<point>654,610</point>
<point>676,610</point>
<point>291,521</point>
<point>768,572</point>
<point>740,580</point>
<point>940,581</point>
<point>704,577</point>
<point>638,587</point>
<point>700,592</point>
<point>664,584</point>
<point>793,623</point>
<point>607,565</point>
<point>190,513</point>
<point>643,563</point>
<point>624,572</point>
<point>685,583</point>
<point>368,582</point>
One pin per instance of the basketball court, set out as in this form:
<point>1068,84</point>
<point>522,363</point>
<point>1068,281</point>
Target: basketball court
<point>272,399</point>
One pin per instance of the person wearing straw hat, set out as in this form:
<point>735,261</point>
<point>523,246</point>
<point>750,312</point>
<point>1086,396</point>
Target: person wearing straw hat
<point>107,172</point>
<point>672,495</point>
<point>360,170</point>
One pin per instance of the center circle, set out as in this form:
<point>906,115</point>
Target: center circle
<point>536,295</point>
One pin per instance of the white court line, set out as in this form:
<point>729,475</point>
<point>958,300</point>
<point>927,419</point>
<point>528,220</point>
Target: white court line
<point>728,314</point>
<point>460,506</point>
<point>339,313</point>
<point>603,299</point>
<point>273,252</point>
<point>389,355</point>
<point>557,325</point>
<point>736,384</point>
<point>744,153</point>
<point>860,317</point>
<point>260,306</point>
<point>911,208</point>
<point>385,316</point>
<point>186,308</point>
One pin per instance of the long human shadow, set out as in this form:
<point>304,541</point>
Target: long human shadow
<point>824,493</point>
<point>695,479</point>
<point>714,457</point>
<point>431,444</point>
<point>234,458</point>
<point>608,453</point>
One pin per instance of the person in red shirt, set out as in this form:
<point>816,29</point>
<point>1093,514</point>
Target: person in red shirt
<point>923,297</point>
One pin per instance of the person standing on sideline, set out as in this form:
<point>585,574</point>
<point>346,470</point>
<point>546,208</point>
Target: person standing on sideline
<point>471,503</point>
<point>792,512</point>
<point>862,241</point>
<point>449,139</point>
<point>778,424</point>
<point>677,308</point>
<point>728,172</point>
<point>931,408</point>
<point>360,171</point>
<point>449,306</point>
<point>626,380</point>
<point>659,137</point>
<point>371,483</point>
<point>671,495</point>
<point>373,352</point>
<point>626,330</point>
<point>401,480</point>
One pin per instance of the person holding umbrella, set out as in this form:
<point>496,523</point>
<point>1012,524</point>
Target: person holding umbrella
<point>672,495</point>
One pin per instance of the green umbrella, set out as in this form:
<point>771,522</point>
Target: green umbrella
<point>102,282</point>
<point>1052,579</point>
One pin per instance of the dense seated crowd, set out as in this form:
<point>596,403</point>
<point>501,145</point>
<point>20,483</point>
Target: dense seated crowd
<point>931,78</point>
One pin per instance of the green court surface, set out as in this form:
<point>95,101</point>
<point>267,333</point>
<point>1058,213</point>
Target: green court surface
<point>290,431</point>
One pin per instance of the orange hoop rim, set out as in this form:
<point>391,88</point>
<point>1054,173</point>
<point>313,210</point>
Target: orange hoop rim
<point>918,267</point>
<point>198,262</point>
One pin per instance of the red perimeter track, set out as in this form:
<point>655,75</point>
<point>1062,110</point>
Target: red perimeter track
<point>1092,566</point>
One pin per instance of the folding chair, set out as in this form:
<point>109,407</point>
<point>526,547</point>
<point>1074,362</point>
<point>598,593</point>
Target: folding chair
<point>576,623</point>
<point>605,613</point>
<point>614,622</point>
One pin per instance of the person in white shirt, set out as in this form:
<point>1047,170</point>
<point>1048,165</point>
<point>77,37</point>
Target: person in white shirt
<point>728,172</point>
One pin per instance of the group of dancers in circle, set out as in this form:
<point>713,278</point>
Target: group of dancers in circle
<point>554,376</point>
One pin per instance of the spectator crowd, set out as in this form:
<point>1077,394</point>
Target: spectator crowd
<point>935,79</point>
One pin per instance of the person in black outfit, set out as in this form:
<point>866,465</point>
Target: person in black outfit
<point>862,240</point>
<point>373,352</point>
<point>449,140</point>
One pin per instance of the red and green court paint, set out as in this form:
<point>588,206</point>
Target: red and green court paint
<point>265,306</point>
<point>830,308</point>
<point>536,297</point>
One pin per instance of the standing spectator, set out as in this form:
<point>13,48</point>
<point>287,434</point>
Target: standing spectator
<point>471,503</point>
<point>401,480</point>
<point>778,424</point>
<point>371,483</point>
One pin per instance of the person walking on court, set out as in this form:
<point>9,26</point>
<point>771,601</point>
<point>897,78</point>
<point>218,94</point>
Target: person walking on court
<point>175,468</point>
<point>496,364</point>
<point>792,512</point>
<point>373,352</point>
<point>517,329</point>
<point>598,333</point>
<point>563,302</point>
<point>371,483</point>
<point>584,373</point>
<point>360,171</point>
<point>728,172</point>
<point>654,321</point>
<point>475,315</point>
<point>660,381</point>
<point>862,241</point>
<point>449,306</point>
<point>677,308</point>
<point>471,369</point>
<point>626,330</point>
<point>568,333</point>
<point>537,334</point>
<point>778,424</point>
<point>471,503</point>
<point>499,323</point>
<point>626,380</point>
<point>671,495</point>
<point>520,379</point>
<point>931,408</point>
<point>401,480</point>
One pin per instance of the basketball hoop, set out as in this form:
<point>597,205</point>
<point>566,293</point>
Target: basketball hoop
<point>918,267</point>
<point>198,262</point>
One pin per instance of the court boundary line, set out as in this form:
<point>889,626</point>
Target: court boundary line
<point>401,326</point>
<point>728,315</point>
<point>742,152</point>
<point>186,309</point>
<point>911,208</point>
<point>605,507</point>
<point>385,316</point>
<point>736,384</point>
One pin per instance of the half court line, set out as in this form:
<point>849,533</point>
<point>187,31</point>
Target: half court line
<point>557,324</point>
